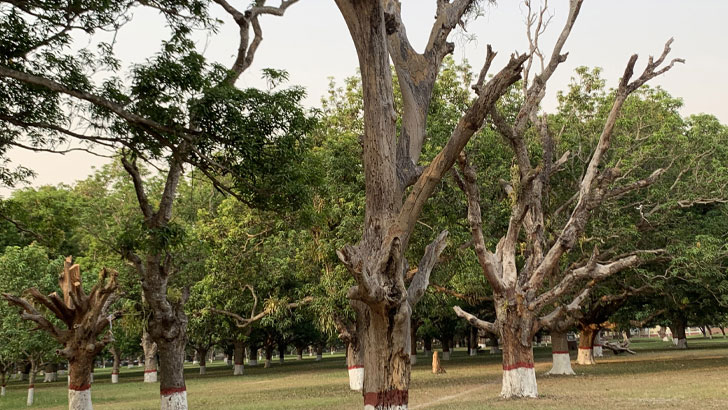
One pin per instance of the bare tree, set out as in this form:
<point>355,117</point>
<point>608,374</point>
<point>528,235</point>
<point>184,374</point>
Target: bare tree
<point>520,293</point>
<point>396,187</point>
<point>86,318</point>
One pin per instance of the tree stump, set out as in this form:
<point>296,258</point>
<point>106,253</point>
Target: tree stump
<point>436,368</point>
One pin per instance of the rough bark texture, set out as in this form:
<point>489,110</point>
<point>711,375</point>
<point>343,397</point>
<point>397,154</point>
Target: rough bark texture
<point>239,357</point>
<point>678,333</point>
<point>586,345</point>
<point>202,354</point>
<point>116,366</point>
<point>150,358</point>
<point>355,365</point>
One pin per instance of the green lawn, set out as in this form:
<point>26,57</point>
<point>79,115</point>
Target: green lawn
<point>658,377</point>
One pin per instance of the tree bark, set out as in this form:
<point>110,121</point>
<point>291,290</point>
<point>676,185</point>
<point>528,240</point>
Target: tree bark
<point>473,341</point>
<point>319,353</point>
<point>281,352</point>
<point>172,387</point>
<point>515,324</point>
<point>560,355</point>
<point>268,355</point>
<point>428,346</point>
<point>586,345</point>
<point>31,382</point>
<point>202,354</point>
<point>445,342</point>
<point>678,333</point>
<point>299,352</point>
<point>355,365</point>
<point>239,357</point>
<point>413,343</point>
<point>3,382</point>
<point>51,373</point>
<point>117,364</point>
<point>150,358</point>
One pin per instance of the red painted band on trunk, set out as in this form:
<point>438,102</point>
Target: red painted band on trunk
<point>117,373</point>
<point>32,386</point>
<point>79,388</point>
<point>519,365</point>
<point>386,398</point>
<point>150,371</point>
<point>584,348</point>
<point>597,345</point>
<point>356,366</point>
<point>564,352</point>
<point>173,390</point>
<point>238,364</point>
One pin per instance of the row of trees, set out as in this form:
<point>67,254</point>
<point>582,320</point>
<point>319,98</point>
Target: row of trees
<point>232,214</point>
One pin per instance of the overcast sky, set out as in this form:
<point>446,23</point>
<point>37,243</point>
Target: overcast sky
<point>311,42</point>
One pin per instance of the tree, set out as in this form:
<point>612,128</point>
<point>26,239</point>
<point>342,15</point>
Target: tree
<point>390,161</point>
<point>86,318</point>
<point>519,288</point>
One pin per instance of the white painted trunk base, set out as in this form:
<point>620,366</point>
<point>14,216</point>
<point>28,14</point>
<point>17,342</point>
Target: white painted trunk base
<point>585,357</point>
<point>356,378</point>
<point>674,341</point>
<point>130,366</point>
<point>682,343</point>
<point>495,350</point>
<point>114,378</point>
<point>267,363</point>
<point>561,365</point>
<point>299,357</point>
<point>92,377</point>
<point>473,352</point>
<point>50,377</point>
<point>665,339</point>
<point>195,361</point>
<point>79,400</point>
<point>31,396</point>
<point>413,359</point>
<point>2,390</point>
<point>225,360</point>
<point>597,351</point>
<point>174,401</point>
<point>319,357</point>
<point>253,362</point>
<point>445,355</point>
<point>150,376</point>
<point>280,360</point>
<point>203,369</point>
<point>238,370</point>
<point>404,407</point>
<point>520,382</point>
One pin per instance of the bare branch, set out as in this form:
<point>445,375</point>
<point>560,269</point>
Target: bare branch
<point>422,279</point>
<point>480,324</point>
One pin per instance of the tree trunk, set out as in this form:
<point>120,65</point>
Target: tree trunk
<point>709,331</point>
<point>494,349</point>
<point>202,354</point>
<point>678,329</point>
<point>597,351</point>
<point>386,339</point>
<point>428,346</point>
<point>239,358</point>
<point>586,345</point>
<point>413,344</point>
<point>281,352</point>
<point>3,382</point>
<point>662,333</point>
<point>319,353</point>
<point>117,364</point>
<point>51,373</point>
<point>473,341</point>
<point>268,355</point>
<point>31,383</point>
<point>436,366</point>
<point>150,358</point>
<point>299,352</point>
<point>79,387</point>
<point>560,355</point>
<point>445,348</point>
<point>355,364</point>
<point>519,376</point>
<point>172,387</point>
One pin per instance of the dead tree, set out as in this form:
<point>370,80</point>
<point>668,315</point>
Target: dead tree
<point>521,293</point>
<point>86,318</point>
<point>391,167</point>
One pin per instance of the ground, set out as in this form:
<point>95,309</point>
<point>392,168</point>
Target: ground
<point>658,377</point>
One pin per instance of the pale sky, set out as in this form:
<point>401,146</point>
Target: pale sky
<point>311,42</point>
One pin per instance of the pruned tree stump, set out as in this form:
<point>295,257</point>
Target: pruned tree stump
<point>436,367</point>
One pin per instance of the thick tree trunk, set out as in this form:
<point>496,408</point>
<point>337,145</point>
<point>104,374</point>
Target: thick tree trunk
<point>519,376</point>
<point>428,346</point>
<point>586,345</point>
<point>299,352</point>
<point>202,354</point>
<point>150,358</point>
<point>172,387</point>
<point>239,358</point>
<point>319,353</point>
<point>473,341</point>
<point>117,364</point>
<point>597,351</point>
<point>268,355</point>
<point>79,387</point>
<point>386,339</point>
<point>51,373</point>
<point>355,365</point>
<point>445,348</point>
<point>678,329</point>
<point>560,355</point>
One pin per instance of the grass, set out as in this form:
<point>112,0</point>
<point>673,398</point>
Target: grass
<point>659,376</point>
